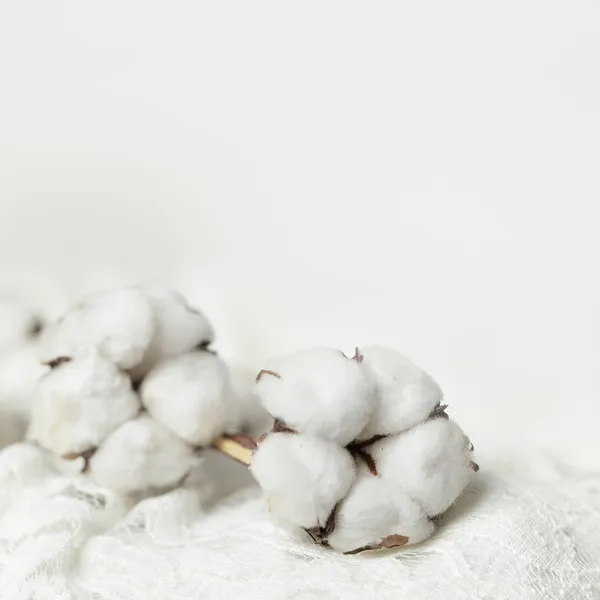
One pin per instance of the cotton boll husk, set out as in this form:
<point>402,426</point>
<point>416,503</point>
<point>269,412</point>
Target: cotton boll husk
<point>191,394</point>
<point>431,463</point>
<point>77,404</point>
<point>17,323</point>
<point>141,455</point>
<point>118,323</point>
<point>179,328</point>
<point>318,391</point>
<point>405,394</point>
<point>374,510</point>
<point>303,476</point>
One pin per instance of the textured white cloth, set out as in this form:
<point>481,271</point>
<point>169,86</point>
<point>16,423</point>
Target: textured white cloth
<point>531,535</point>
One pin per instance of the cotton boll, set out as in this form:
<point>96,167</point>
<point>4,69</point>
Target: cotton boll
<point>118,323</point>
<point>179,328</point>
<point>141,455</point>
<point>20,370</point>
<point>13,425</point>
<point>191,394</point>
<point>375,514</point>
<point>303,476</point>
<point>431,463</point>
<point>253,418</point>
<point>17,323</point>
<point>405,394</point>
<point>77,404</point>
<point>22,463</point>
<point>318,391</point>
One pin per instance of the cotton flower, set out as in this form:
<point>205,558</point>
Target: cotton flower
<point>405,394</point>
<point>78,403</point>
<point>191,394</point>
<point>318,391</point>
<point>141,455</point>
<point>119,324</point>
<point>304,477</point>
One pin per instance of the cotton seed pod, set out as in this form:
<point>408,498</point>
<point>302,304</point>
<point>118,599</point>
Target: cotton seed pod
<point>432,463</point>
<point>141,455</point>
<point>318,391</point>
<point>405,394</point>
<point>375,515</point>
<point>178,328</point>
<point>303,476</point>
<point>17,323</point>
<point>78,403</point>
<point>117,323</point>
<point>191,394</point>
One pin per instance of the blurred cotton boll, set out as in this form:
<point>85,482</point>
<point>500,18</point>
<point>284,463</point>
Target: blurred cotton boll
<point>20,328</point>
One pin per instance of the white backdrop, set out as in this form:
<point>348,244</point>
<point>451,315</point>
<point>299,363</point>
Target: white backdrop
<point>424,175</point>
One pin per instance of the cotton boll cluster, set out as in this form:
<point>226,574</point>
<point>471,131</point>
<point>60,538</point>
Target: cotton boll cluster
<point>133,389</point>
<point>362,454</point>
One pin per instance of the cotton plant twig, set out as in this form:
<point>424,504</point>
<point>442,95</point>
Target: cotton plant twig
<point>236,446</point>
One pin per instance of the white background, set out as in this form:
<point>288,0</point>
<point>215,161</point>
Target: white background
<point>421,174</point>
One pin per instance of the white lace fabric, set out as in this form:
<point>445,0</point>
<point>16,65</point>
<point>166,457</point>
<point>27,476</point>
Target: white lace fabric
<point>531,535</point>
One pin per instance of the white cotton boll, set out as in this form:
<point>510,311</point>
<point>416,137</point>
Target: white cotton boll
<point>179,328</point>
<point>118,323</point>
<point>20,369</point>
<point>318,391</point>
<point>17,323</point>
<point>141,455</point>
<point>191,394</point>
<point>19,372</point>
<point>13,425</point>
<point>373,511</point>
<point>405,394</point>
<point>77,404</point>
<point>22,463</point>
<point>303,476</point>
<point>431,463</point>
<point>253,418</point>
